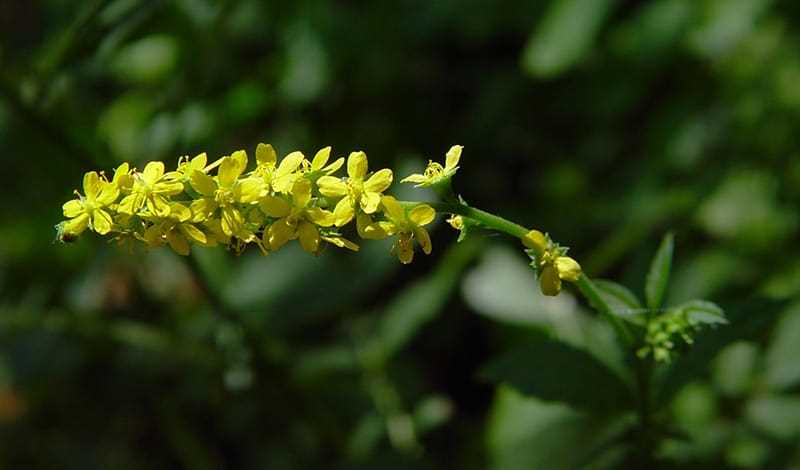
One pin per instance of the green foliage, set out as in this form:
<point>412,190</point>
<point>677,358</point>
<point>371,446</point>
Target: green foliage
<point>606,123</point>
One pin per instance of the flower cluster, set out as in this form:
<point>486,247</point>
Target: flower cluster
<point>224,203</point>
<point>550,262</point>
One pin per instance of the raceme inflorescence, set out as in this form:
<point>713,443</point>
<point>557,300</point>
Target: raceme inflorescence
<point>226,203</point>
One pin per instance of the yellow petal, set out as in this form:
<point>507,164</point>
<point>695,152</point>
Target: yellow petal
<point>404,249</point>
<point>393,210</point>
<point>122,178</point>
<point>289,164</point>
<point>158,205</point>
<point>153,171</point>
<point>101,221</point>
<point>334,167</point>
<point>154,236</point>
<point>424,240</point>
<point>265,155</point>
<point>370,202</point>
<point>91,185</point>
<point>280,232</point>
<point>452,158</point>
<point>72,208</point>
<point>343,212</point>
<point>193,233</point>
<point>248,190</point>
<point>535,240</point>
<point>320,159</point>
<point>341,242</point>
<point>308,235</point>
<point>274,206</point>
<point>422,214</point>
<point>549,281</point>
<point>76,226</point>
<point>131,204</point>
<point>320,217</point>
<point>357,165</point>
<point>202,209</point>
<point>178,243</point>
<point>301,193</point>
<point>202,183</point>
<point>180,212</point>
<point>168,187</point>
<point>415,178</point>
<point>379,181</point>
<point>199,162</point>
<point>229,170</point>
<point>331,186</point>
<point>568,268</point>
<point>231,221</point>
<point>240,157</point>
<point>107,195</point>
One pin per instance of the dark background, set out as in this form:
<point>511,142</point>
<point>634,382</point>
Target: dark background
<point>605,123</point>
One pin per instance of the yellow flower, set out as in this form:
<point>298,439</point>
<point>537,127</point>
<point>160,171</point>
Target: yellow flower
<point>225,191</point>
<point>281,177</point>
<point>408,226</point>
<point>355,191</point>
<point>175,230</point>
<point>435,172</point>
<point>296,220</point>
<point>151,187</point>
<point>89,211</point>
<point>550,262</point>
<point>186,166</point>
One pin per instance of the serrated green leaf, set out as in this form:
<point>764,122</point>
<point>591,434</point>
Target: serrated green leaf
<point>555,371</point>
<point>703,311</point>
<point>621,301</point>
<point>658,276</point>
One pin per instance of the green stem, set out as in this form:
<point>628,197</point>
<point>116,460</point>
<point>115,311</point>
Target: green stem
<point>494,222</point>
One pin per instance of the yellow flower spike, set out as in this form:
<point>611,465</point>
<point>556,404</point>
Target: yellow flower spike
<point>356,193</point>
<point>89,211</point>
<point>435,173</point>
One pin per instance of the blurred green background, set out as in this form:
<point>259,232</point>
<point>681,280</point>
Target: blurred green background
<point>603,122</point>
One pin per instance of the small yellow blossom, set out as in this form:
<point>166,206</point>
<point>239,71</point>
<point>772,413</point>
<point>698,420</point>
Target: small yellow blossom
<point>435,173</point>
<point>278,177</point>
<point>356,193</point>
<point>152,188</point>
<point>88,210</point>
<point>295,220</point>
<point>226,191</point>
<point>176,230</point>
<point>408,226</point>
<point>550,262</point>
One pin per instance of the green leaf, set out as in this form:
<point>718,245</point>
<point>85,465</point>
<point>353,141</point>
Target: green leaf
<point>621,301</point>
<point>658,277</point>
<point>704,312</point>
<point>524,433</point>
<point>555,371</point>
<point>564,35</point>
